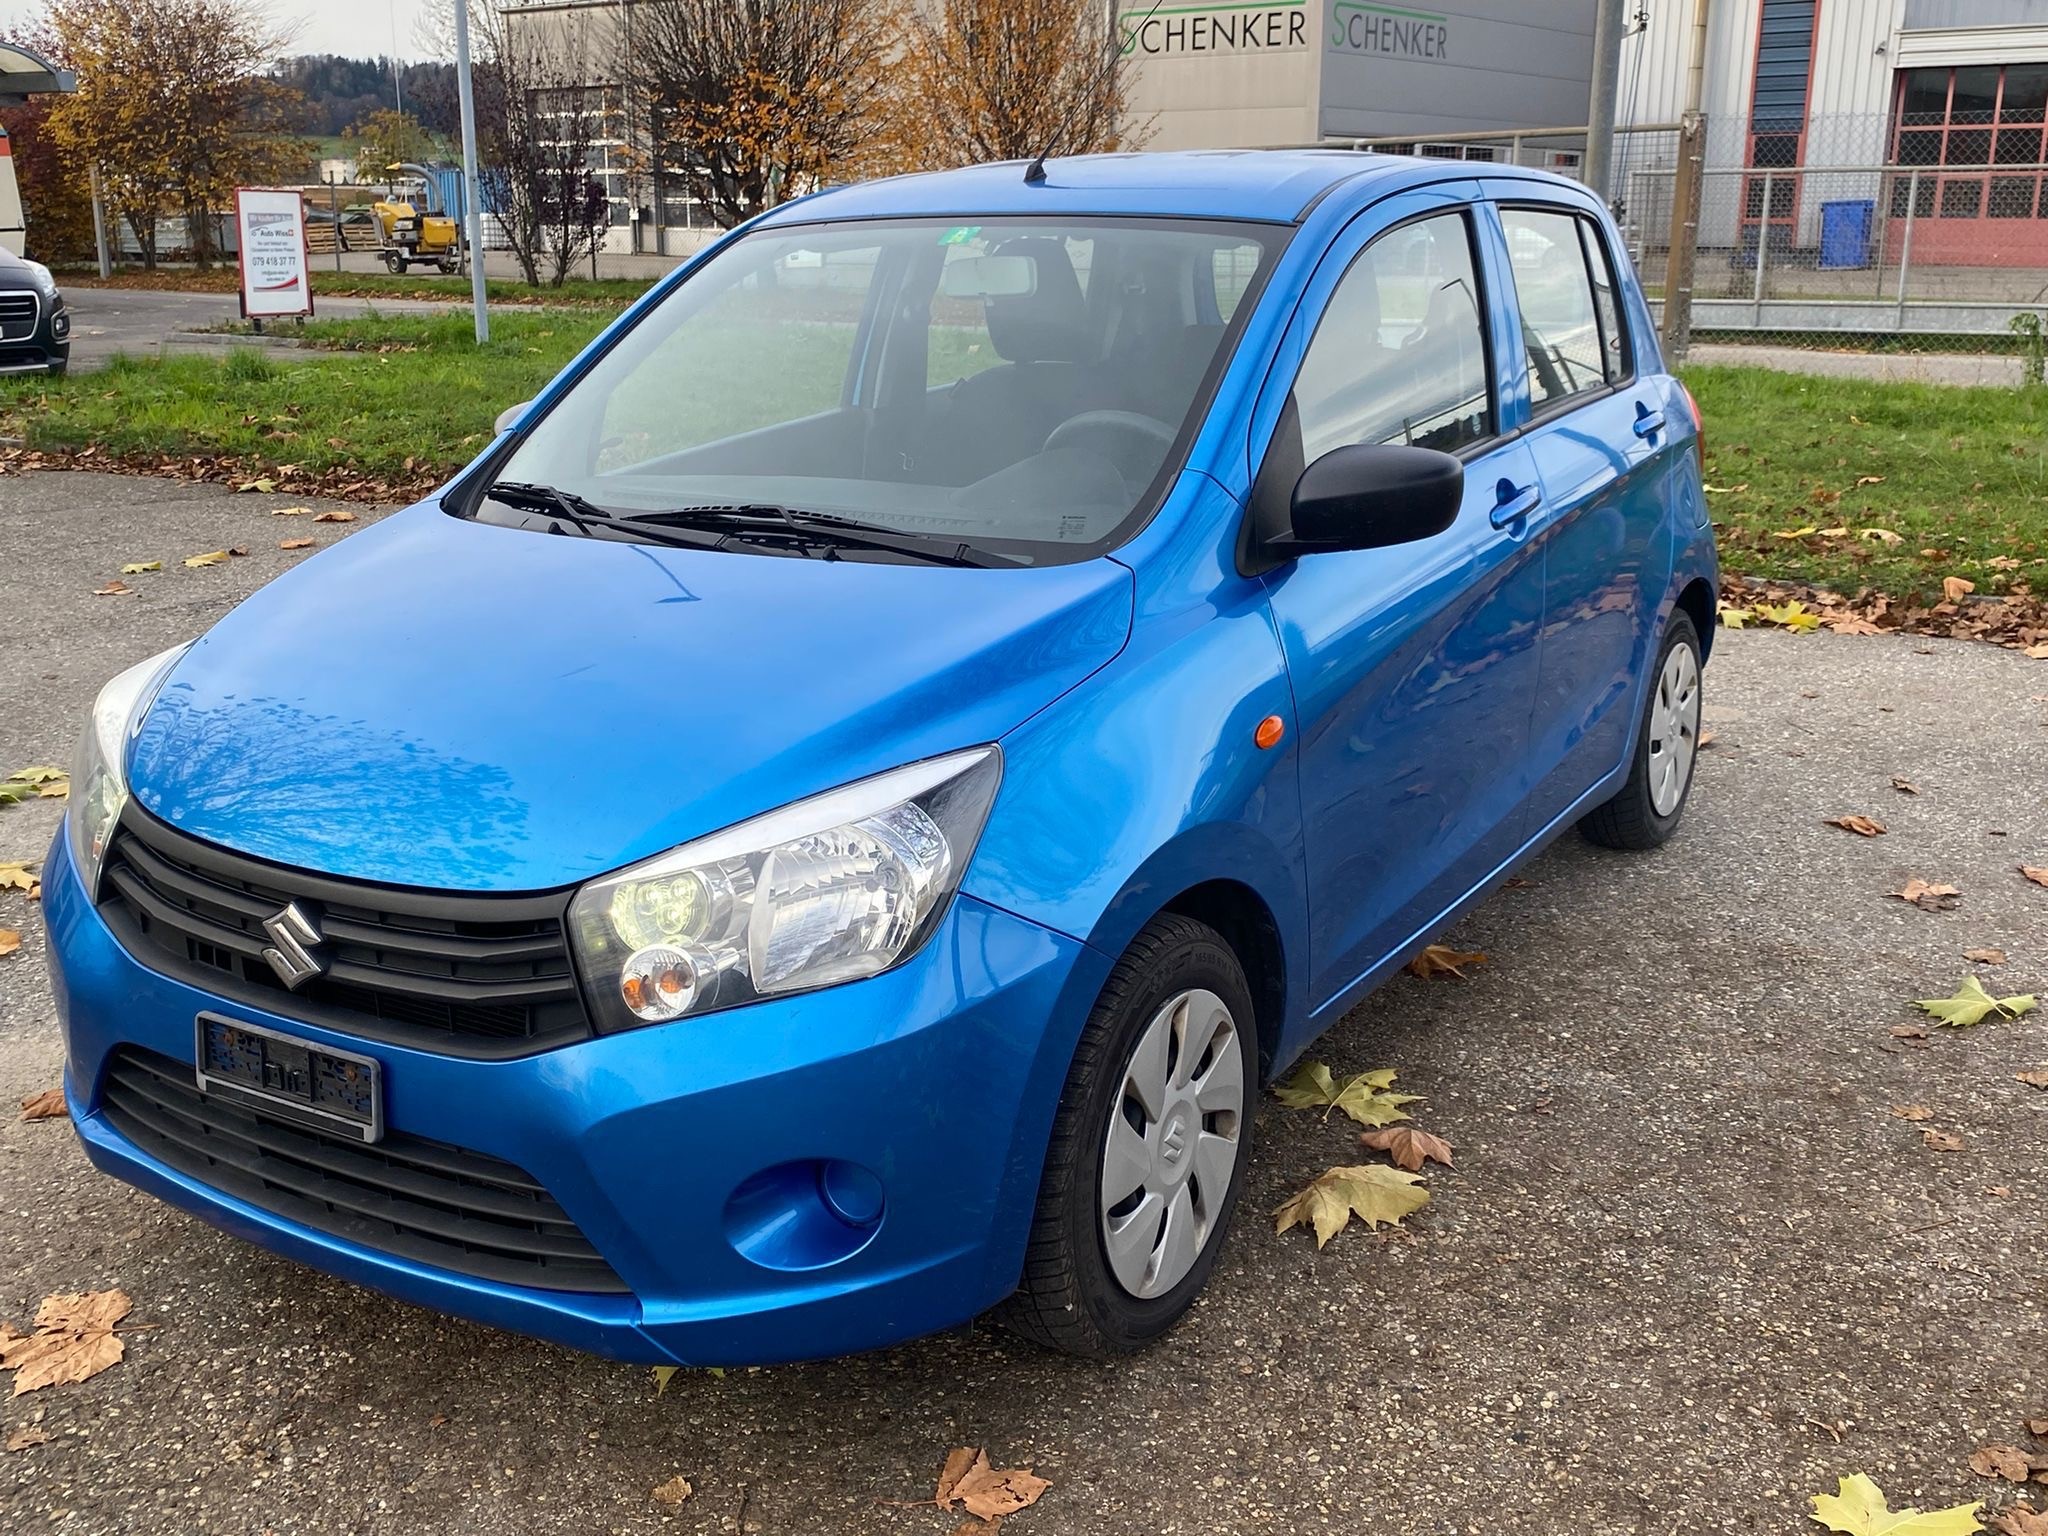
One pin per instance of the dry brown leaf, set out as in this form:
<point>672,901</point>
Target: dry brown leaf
<point>2021,1520</point>
<point>2006,1461</point>
<point>289,511</point>
<point>1985,956</point>
<point>116,587</point>
<point>1932,898</point>
<point>957,1461</point>
<point>1442,960</point>
<point>2036,652</point>
<point>1912,1111</point>
<point>674,1491</point>
<point>294,543</point>
<point>2034,1080</point>
<point>10,941</point>
<point>335,517</point>
<point>17,876</point>
<point>1408,1147</point>
<point>1956,588</point>
<point>1909,1031</point>
<point>2038,876</point>
<point>986,1492</point>
<point>26,1436</point>
<point>47,1105</point>
<point>1941,1141</point>
<point>2038,1427</point>
<point>1905,786</point>
<point>1862,826</point>
<point>74,1340</point>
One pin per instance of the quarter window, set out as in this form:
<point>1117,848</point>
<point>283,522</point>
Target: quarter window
<point>1572,338</point>
<point>1399,355</point>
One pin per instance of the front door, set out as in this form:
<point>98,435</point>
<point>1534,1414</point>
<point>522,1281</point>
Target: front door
<point>1413,667</point>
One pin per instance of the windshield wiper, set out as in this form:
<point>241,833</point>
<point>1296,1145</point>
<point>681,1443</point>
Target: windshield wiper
<point>829,529</point>
<point>585,515</point>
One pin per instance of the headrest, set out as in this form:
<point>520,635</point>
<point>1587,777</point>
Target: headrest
<point>1049,324</point>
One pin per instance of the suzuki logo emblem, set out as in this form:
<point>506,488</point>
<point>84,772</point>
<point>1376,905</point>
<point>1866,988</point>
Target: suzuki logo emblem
<point>1174,1142</point>
<point>292,938</point>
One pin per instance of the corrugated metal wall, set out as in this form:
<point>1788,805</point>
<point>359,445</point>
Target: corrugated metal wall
<point>1938,14</point>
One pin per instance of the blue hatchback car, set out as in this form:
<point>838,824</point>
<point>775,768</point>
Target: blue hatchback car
<point>822,829</point>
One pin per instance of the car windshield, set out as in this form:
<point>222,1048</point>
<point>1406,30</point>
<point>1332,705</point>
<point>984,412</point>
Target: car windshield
<point>1013,384</point>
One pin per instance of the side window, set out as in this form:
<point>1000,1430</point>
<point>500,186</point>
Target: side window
<point>1562,321</point>
<point>1399,355</point>
<point>1614,348</point>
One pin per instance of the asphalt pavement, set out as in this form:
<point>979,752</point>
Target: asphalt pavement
<point>106,321</point>
<point>1689,1270</point>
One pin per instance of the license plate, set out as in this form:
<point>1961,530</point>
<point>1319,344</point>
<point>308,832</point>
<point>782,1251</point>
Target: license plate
<point>289,1078</point>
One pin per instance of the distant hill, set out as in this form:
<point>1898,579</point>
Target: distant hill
<point>340,92</point>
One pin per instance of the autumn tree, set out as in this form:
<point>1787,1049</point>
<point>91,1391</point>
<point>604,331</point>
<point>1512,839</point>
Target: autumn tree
<point>56,191</point>
<point>753,101</point>
<point>173,105</point>
<point>981,80</point>
<point>388,137</point>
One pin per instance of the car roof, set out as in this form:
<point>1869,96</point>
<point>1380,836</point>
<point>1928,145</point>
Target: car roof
<point>1274,185</point>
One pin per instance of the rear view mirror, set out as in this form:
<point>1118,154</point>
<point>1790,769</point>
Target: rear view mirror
<point>989,277</point>
<point>508,418</point>
<point>1370,495</point>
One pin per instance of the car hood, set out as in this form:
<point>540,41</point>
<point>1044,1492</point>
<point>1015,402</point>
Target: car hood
<point>437,702</point>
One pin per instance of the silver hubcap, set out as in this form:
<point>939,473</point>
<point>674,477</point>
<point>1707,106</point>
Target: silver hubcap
<point>1674,729</point>
<point>1172,1145</point>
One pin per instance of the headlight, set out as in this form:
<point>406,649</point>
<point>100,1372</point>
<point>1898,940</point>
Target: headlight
<point>831,889</point>
<point>99,779</point>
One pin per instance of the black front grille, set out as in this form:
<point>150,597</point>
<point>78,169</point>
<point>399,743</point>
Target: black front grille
<point>18,315</point>
<point>463,975</point>
<point>404,1195</point>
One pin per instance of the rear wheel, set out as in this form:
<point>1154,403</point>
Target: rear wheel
<point>1148,1148</point>
<point>1646,811</point>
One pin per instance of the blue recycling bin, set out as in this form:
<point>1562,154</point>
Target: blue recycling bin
<point>1845,233</point>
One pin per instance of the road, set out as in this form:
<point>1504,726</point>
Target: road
<point>1690,1268</point>
<point>105,321</point>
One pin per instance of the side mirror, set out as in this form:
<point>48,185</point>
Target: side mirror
<point>1370,495</point>
<point>508,418</point>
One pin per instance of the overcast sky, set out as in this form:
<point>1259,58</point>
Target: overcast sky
<point>358,28</point>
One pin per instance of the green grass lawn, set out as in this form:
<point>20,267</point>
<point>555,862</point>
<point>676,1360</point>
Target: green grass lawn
<point>1959,475</point>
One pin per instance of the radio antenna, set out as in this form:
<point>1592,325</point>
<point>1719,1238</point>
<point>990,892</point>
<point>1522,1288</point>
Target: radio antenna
<point>1035,171</point>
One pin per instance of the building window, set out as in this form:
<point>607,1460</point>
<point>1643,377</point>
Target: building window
<point>1979,131</point>
<point>1777,116</point>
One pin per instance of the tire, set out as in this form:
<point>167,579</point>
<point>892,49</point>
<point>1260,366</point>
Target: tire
<point>394,264</point>
<point>1647,810</point>
<point>1072,1298</point>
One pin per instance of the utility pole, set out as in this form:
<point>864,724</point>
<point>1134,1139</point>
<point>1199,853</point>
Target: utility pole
<point>99,225</point>
<point>1609,23</point>
<point>472,203</point>
<point>1686,181</point>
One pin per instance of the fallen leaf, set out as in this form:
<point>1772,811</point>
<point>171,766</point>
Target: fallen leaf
<point>1933,898</point>
<point>1863,480</point>
<point>2038,1427</point>
<point>1442,960</point>
<point>2034,1080</point>
<point>1985,956</point>
<point>26,1436</point>
<point>2036,652</point>
<point>1882,535</point>
<point>335,517</point>
<point>1862,826</point>
<point>1972,1005</point>
<point>1941,1141</point>
<point>1793,615</point>
<point>968,1480</point>
<point>114,588</point>
<point>1999,1191</point>
<point>1909,1032</point>
<point>18,876</point>
<point>1373,1192</point>
<point>294,543</point>
<point>1860,1509</point>
<point>2006,1461</point>
<point>2038,876</point>
<point>1363,1097</point>
<point>1733,617</point>
<point>674,1491</point>
<point>289,511</point>
<point>236,552</point>
<point>141,567</point>
<point>1408,1147</point>
<point>10,941</point>
<point>2021,1520</point>
<point>74,1340</point>
<point>1905,786</point>
<point>1912,1111</point>
<point>663,1375</point>
<point>261,483</point>
<point>1795,533</point>
<point>47,1105</point>
<point>211,557</point>
<point>1956,588</point>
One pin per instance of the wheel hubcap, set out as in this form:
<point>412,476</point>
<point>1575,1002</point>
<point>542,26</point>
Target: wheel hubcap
<point>1674,729</point>
<point>1171,1151</point>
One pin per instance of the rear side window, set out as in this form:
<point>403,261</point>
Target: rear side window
<point>1399,355</point>
<point>1571,324</point>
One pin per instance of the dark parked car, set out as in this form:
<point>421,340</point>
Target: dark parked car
<point>35,327</point>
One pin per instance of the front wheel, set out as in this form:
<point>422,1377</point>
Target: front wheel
<point>1148,1148</point>
<point>1646,811</point>
<point>394,263</point>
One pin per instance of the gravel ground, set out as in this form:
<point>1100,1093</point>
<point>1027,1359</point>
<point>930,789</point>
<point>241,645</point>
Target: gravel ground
<point>1689,1270</point>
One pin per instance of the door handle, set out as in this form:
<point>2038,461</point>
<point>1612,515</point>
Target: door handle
<point>1515,503</point>
<point>1648,422</point>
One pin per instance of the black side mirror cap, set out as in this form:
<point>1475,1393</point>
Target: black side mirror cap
<point>1369,496</point>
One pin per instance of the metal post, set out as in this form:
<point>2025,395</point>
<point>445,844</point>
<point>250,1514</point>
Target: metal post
<point>1685,233</point>
<point>1906,241</point>
<point>1515,150</point>
<point>1609,22</point>
<point>99,225</point>
<point>1763,245</point>
<point>473,215</point>
<point>334,207</point>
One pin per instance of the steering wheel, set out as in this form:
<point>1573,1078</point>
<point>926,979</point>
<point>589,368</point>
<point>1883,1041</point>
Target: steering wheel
<point>1133,442</point>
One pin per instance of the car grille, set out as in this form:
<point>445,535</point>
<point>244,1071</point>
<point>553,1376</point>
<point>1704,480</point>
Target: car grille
<point>404,1195</point>
<point>18,315</point>
<point>462,975</point>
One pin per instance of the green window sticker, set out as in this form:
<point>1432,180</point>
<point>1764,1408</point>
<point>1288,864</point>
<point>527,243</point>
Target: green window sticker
<point>960,234</point>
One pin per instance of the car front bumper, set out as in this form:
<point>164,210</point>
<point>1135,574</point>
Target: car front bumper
<point>680,1150</point>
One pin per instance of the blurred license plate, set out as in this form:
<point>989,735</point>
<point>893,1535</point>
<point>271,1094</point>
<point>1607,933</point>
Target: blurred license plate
<point>289,1078</point>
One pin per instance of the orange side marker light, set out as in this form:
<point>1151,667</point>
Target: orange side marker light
<point>1270,730</point>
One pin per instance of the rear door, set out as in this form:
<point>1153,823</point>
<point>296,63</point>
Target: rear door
<point>1596,426</point>
<point>1413,666</point>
